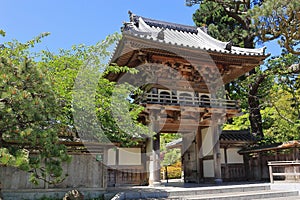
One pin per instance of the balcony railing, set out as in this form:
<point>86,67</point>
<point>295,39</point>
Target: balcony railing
<point>203,101</point>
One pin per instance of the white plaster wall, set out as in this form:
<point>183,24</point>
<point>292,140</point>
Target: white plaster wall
<point>111,156</point>
<point>208,168</point>
<point>130,156</point>
<point>233,156</point>
<point>207,148</point>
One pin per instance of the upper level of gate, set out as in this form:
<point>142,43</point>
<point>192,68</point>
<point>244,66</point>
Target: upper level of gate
<point>184,98</point>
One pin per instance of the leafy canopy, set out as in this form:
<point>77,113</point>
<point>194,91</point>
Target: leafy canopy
<point>28,112</point>
<point>93,107</point>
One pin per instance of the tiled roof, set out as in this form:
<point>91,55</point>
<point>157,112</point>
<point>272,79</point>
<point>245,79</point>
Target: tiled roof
<point>165,25</point>
<point>242,136</point>
<point>174,143</point>
<point>226,136</point>
<point>182,35</point>
<point>272,147</point>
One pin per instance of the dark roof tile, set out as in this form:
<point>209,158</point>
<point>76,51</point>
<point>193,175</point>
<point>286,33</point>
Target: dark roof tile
<point>242,135</point>
<point>227,135</point>
<point>166,25</point>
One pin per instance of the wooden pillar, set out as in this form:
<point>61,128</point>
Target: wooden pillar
<point>143,174</point>
<point>226,163</point>
<point>1,195</point>
<point>259,164</point>
<point>216,131</point>
<point>154,164</point>
<point>248,167</point>
<point>116,171</point>
<point>199,155</point>
<point>182,162</point>
<point>104,164</point>
<point>296,153</point>
<point>276,155</point>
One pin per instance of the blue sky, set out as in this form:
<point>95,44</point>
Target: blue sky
<point>75,22</point>
<point>82,22</point>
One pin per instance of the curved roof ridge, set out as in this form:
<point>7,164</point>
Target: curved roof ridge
<point>183,35</point>
<point>163,24</point>
<point>250,50</point>
<point>216,42</point>
<point>143,25</point>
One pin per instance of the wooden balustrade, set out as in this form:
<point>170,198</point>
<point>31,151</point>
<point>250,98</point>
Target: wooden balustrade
<point>151,98</point>
<point>233,172</point>
<point>125,176</point>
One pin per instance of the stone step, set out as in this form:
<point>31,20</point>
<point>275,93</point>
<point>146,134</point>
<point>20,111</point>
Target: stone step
<point>283,198</point>
<point>190,193</point>
<point>227,192</point>
<point>217,190</point>
<point>250,195</point>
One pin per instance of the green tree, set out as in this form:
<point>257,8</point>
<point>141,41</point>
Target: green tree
<point>94,108</point>
<point>170,156</point>
<point>37,105</point>
<point>285,119</point>
<point>28,112</point>
<point>278,20</point>
<point>243,22</point>
<point>284,98</point>
<point>230,21</point>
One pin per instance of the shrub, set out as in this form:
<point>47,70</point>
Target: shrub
<point>174,171</point>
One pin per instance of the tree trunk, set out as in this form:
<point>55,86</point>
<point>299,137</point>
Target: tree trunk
<point>255,117</point>
<point>254,108</point>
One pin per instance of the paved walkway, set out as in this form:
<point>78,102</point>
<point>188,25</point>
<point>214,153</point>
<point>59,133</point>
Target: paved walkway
<point>285,186</point>
<point>179,185</point>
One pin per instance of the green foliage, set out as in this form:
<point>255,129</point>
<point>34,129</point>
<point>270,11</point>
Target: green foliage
<point>238,123</point>
<point>93,107</point>
<point>170,156</point>
<point>266,20</point>
<point>283,100</point>
<point>226,21</point>
<point>168,137</point>
<point>174,170</point>
<point>278,20</point>
<point>285,119</point>
<point>37,105</point>
<point>229,21</point>
<point>2,33</point>
<point>28,116</point>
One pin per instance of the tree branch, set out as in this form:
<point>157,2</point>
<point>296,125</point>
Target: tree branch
<point>234,15</point>
<point>282,116</point>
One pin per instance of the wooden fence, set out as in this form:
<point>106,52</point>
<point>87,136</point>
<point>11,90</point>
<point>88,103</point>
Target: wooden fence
<point>256,164</point>
<point>287,169</point>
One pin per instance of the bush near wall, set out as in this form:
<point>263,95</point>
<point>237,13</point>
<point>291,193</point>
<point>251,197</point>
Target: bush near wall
<point>174,171</point>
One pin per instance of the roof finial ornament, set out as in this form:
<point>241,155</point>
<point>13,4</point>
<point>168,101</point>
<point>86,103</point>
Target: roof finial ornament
<point>131,16</point>
<point>264,50</point>
<point>229,45</point>
<point>161,34</point>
